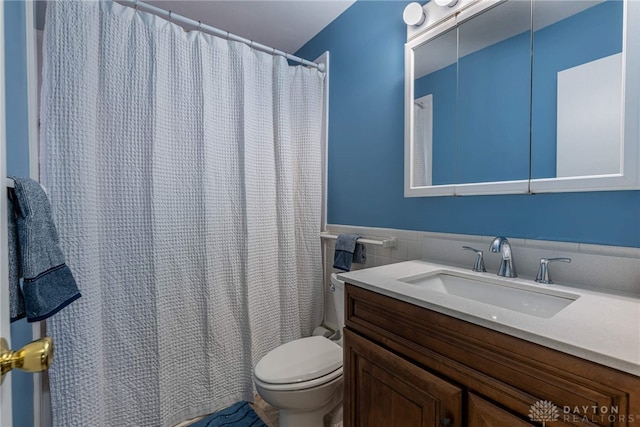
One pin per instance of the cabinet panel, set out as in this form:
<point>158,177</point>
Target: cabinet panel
<point>484,414</point>
<point>383,389</point>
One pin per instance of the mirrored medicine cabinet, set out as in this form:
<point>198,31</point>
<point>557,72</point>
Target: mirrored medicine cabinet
<point>520,96</point>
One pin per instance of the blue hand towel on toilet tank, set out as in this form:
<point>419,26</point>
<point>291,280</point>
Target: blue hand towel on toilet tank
<point>48,285</point>
<point>347,251</point>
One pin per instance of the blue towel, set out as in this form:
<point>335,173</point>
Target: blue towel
<point>360,254</point>
<point>347,251</point>
<point>16,299</point>
<point>237,415</point>
<point>48,285</point>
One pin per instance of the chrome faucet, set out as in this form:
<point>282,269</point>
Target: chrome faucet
<point>543,271</point>
<point>507,266</point>
<point>478,265</point>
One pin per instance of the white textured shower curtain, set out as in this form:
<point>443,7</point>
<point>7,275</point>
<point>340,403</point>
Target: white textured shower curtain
<point>185,177</point>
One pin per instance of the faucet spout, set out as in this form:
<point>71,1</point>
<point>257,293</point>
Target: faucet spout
<point>507,266</point>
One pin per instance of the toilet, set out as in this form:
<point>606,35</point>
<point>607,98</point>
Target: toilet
<point>303,378</point>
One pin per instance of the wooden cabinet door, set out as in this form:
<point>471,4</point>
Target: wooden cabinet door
<point>485,414</point>
<point>385,390</point>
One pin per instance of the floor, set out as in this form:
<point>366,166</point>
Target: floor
<point>267,413</point>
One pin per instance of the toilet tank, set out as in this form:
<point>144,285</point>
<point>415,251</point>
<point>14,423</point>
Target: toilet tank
<point>337,290</point>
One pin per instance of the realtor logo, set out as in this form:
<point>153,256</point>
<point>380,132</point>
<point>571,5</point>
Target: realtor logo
<point>544,411</point>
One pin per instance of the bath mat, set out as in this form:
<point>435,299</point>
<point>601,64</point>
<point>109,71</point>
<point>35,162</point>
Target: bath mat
<point>237,415</point>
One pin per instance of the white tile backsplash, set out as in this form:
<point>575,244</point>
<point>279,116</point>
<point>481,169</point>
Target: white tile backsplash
<point>414,250</point>
<point>610,268</point>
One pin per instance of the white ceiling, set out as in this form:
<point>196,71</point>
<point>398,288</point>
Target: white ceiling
<point>283,24</point>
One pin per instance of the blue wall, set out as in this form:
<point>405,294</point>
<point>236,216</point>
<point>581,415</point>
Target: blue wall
<point>493,112</point>
<point>366,152</point>
<point>18,164</point>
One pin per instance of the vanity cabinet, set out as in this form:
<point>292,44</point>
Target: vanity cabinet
<point>409,366</point>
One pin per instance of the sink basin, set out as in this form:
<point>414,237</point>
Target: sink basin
<point>513,296</point>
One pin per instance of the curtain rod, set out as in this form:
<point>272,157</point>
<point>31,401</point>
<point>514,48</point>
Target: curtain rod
<point>217,32</point>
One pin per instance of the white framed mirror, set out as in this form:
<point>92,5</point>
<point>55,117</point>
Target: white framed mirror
<point>510,124</point>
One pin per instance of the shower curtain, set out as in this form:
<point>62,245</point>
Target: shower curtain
<point>185,176</point>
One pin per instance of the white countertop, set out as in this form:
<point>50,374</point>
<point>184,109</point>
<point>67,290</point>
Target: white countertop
<point>597,326</point>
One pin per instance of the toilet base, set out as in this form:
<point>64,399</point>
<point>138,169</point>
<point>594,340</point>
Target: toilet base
<point>336,418</point>
<point>315,418</point>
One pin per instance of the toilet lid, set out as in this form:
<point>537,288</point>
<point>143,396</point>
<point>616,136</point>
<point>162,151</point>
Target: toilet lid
<point>300,360</point>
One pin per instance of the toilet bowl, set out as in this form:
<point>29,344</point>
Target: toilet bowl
<point>303,378</point>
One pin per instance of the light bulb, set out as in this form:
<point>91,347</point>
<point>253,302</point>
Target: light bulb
<point>446,3</point>
<point>413,14</point>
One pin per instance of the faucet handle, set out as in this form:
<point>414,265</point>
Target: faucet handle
<point>478,265</point>
<point>543,271</point>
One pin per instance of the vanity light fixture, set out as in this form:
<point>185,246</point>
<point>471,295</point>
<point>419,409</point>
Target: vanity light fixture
<point>446,3</point>
<point>414,14</point>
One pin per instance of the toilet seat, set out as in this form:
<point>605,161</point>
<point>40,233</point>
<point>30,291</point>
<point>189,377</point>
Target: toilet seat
<point>300,364</point>
<point>303,385</point>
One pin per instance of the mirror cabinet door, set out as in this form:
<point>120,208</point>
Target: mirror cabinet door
<point>433,151</point>
<point>494,87</point>
<point>471,102</point>
<point>577,108</point>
